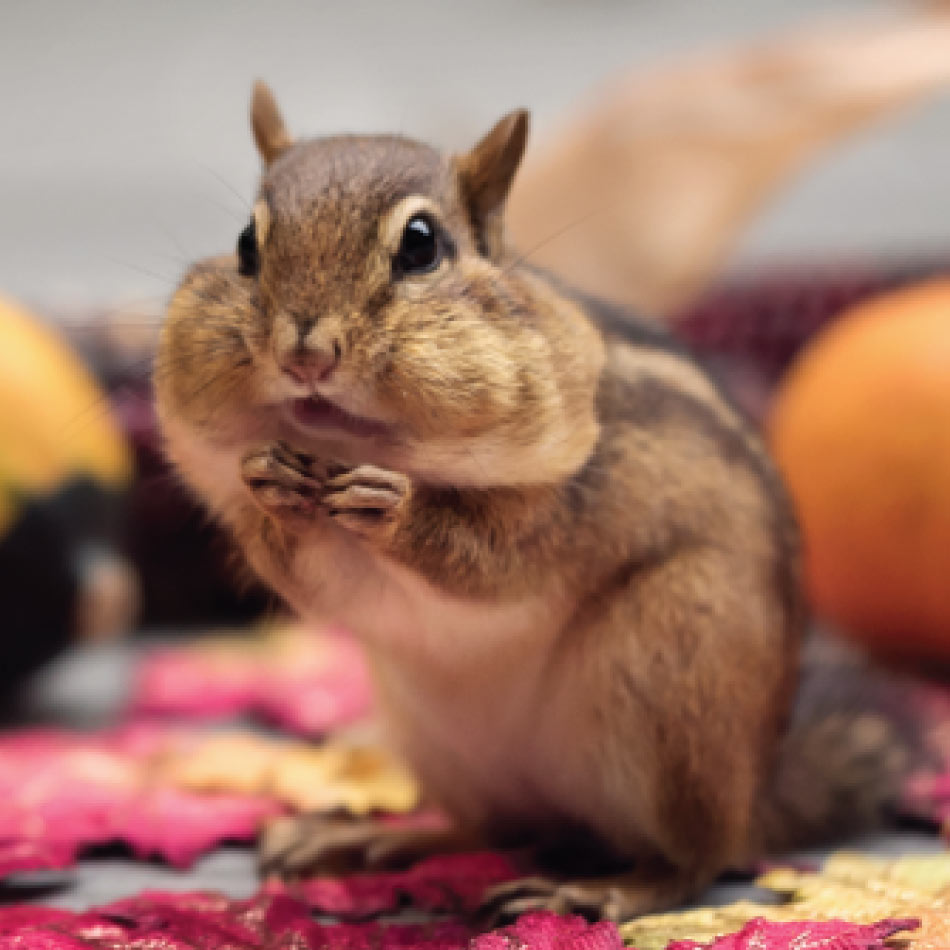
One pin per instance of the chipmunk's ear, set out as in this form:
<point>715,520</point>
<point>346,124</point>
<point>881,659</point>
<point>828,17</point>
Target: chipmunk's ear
<point>485,177</point>
<point>270,133</point>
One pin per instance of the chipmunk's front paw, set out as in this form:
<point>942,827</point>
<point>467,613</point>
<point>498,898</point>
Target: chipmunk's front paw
<point>367,500</point>
<point>282,481</point>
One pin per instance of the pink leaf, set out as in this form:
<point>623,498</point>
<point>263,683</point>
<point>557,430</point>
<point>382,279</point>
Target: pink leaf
<point>316,683</point>
<point>546,931</point>
<point>179,826</point>
<point>61,792</point>
<point>205,921</point>
<point>454,882</point>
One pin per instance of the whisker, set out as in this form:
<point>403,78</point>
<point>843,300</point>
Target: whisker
<point>96,410</point>
<point>241,197</point>
<point>185,258</point>
<point>216,379</point>
<point>102,404</point>
<point>164,278</point>
<point>559,232</point>
<point>230,212</point>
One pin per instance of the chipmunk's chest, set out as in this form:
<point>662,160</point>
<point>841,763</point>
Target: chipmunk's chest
<point>470,694</point>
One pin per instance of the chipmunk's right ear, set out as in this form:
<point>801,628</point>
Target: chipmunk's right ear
<point>270,133</point>
<point>485,177</point>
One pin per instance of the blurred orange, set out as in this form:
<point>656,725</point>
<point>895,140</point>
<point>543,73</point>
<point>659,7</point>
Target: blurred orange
<point>54,418</point>
<point>861,431</point>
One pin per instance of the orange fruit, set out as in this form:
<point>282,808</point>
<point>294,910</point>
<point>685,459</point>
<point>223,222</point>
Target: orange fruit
<point>861,430</point>
<point>54,417</point>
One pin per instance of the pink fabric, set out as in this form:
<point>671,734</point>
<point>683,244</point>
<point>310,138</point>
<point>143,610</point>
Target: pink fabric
<point>547,931</point>
<point>204,921</point>
<point>61,791</point>
<point>25,854</point>
<point>179,826</point>
<point>329,690</point>
<point>207,921</point>
<point>454,882</point>
<point>761,934</point>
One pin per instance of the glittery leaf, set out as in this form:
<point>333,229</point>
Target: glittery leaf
<point>174,792</point>
<point>359,779</point>
<point>762,934</point>
<point>455,882</point>
<point>204,921</point>
<point>546,931</point>
<point>24,854</point>
<point>855,888</point>
<point>304,680</point>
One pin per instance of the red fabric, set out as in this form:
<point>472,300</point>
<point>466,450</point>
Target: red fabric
<point>203,921</point>
<point>454,882</point>
<point>207,921</point>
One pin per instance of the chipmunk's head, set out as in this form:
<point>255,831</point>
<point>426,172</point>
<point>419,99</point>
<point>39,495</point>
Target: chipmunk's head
<point>372,311</point>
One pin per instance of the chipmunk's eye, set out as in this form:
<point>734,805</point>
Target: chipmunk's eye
<point>249,258</point>
<point>419,248</point>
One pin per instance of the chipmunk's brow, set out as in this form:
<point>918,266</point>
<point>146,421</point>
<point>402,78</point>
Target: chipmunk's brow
<point>394,218</point>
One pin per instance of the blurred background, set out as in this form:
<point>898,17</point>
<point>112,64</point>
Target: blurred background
<point>770,178</point>
<point>125,147</point>
<point>768,163</point>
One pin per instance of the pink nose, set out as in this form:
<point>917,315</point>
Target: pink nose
<point>311,365</point>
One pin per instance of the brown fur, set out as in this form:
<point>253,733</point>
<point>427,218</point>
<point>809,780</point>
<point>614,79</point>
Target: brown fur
<point>572,563</point>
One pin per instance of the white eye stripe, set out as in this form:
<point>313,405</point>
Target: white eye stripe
<point>261,218</point>
<point>394,221</point>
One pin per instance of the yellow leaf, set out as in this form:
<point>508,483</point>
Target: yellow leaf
<point>851,887</point>
<point>357,779</point>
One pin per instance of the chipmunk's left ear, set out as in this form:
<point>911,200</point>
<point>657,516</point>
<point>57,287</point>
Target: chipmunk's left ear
<point>485,176</point>
<point>267,123</point>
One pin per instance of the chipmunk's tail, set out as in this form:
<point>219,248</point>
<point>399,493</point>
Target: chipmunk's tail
<point>852,742</point>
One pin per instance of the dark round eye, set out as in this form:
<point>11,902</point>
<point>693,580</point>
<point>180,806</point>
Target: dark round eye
<point>249,258</point>
<point>419,248</point>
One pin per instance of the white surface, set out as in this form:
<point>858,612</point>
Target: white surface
<point>124,147</point>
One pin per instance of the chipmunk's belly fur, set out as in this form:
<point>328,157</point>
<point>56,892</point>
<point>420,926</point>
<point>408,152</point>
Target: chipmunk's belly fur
<point>486,704</point>
<point>473,692</point>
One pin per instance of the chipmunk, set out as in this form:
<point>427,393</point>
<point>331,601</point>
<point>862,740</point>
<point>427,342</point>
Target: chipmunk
<point>572,564</point>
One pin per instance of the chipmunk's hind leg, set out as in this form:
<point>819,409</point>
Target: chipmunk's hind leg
<point>617,897</point>
<point>294,847</point>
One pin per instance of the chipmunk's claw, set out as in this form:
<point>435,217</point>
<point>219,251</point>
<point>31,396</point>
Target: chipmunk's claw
<point>366,500</point>
<point>281,480</point>
<point>292,847</point>
<point>594,900</point>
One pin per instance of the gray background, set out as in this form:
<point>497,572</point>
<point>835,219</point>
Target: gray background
<point>124,147</point>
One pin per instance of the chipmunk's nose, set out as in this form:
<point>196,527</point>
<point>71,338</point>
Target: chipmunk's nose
<point>310,363</point>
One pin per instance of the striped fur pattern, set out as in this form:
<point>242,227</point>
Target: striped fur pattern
<point>570,559</point>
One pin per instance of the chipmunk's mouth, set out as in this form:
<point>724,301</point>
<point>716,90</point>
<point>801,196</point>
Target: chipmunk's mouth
<point>316,413</point>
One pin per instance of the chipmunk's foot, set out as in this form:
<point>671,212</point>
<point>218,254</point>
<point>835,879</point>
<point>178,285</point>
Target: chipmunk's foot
<point>366,500</point>
<point>282,481</point>
<point>303,845</point>
<point>506,902</point>
<point>616,897</point>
